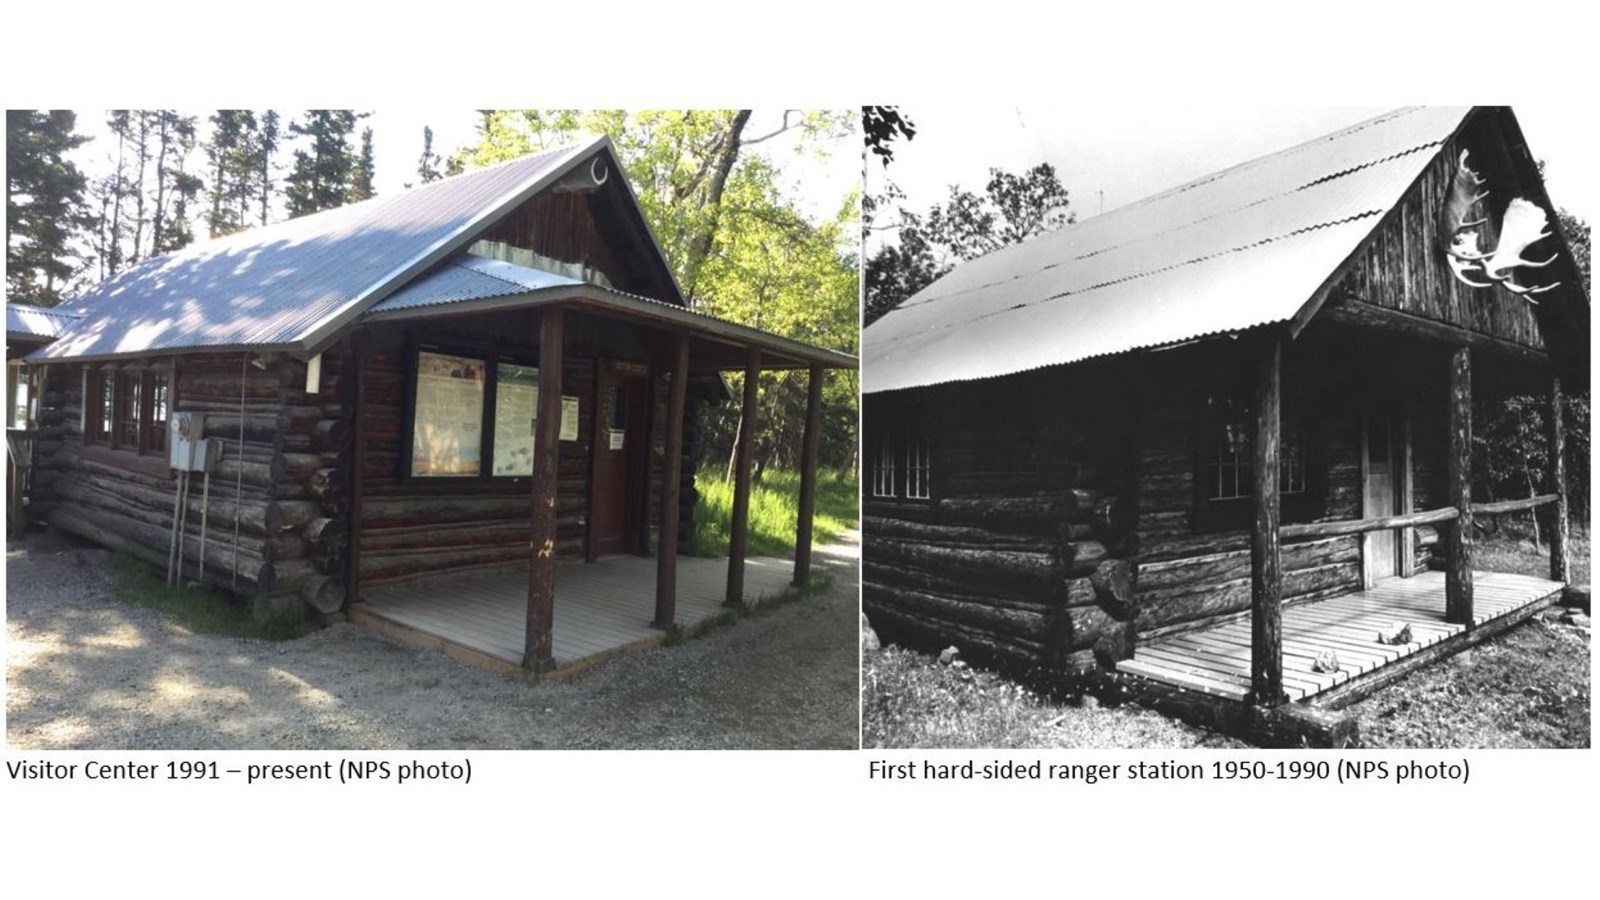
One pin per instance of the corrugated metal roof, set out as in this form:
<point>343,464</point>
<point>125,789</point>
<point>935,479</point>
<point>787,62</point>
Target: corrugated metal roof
<point>469,277</point>
<point>36,321</point>
<point>494,284</point>
<point>295,282</point>
<point>1243,247</point>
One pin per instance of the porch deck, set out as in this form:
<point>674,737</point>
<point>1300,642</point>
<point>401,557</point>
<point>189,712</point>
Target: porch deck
<point>601,609</point>
<point>1215,660</point>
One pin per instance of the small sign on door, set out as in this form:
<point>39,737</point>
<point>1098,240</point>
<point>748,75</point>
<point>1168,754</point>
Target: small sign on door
<point>614,438</point>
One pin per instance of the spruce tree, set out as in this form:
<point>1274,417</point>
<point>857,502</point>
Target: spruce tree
<point>428,165</point>
<point>361,174</point>
<point>44,204</point>
<point>266,146</point>
<point>321,177</point>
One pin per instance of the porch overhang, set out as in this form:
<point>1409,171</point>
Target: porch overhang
<point>717,344</point>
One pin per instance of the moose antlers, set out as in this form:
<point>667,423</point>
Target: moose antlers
<point>1522,225</point>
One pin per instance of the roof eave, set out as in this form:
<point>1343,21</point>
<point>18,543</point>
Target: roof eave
<point>607,300</point>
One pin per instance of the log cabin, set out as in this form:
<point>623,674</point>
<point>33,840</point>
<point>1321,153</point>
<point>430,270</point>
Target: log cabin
<point>1201,450</point>
<point>427,405</point>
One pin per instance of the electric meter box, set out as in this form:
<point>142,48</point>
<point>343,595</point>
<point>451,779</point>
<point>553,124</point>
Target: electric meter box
<point>184,439</point>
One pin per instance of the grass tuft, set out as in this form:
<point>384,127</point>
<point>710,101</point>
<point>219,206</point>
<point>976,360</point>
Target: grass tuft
<point>774,506</point>
<point>201,610</point>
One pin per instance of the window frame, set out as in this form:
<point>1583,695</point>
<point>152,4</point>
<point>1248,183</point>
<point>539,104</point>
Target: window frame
<point>900,454</point>
<point>108,427</point>
<point>1231,404</point>
<point>492,356</point>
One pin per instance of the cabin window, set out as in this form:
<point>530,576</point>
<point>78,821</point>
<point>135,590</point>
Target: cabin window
<point>128,409</point>
<point>99,406</point>
<point>1225,475</point>
<point>128,405</point>
<point>472,416</point>
<point>900,454</point>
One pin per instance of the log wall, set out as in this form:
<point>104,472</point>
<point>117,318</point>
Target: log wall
<point>289,479</point>
<point>259,490</point>
<point>415,528</point>
<point>1023,556</point>
<point>1050,485</point>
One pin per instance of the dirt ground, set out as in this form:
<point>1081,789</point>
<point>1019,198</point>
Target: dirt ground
<point>87,671</point>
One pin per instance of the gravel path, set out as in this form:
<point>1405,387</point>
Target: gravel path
<point>84,670</point>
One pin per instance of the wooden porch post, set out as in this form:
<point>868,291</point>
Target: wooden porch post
<point>1266,585</point>
<point>1559,561</point>
<point>667,553</point>
<point>808,478</point>
<point>738,529</point>
<point>536,650</point>
<point>1458,544</point>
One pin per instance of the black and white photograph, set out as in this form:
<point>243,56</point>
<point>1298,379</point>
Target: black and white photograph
<point>1223,428</point>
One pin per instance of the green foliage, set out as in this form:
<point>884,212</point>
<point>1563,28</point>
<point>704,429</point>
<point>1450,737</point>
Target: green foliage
<point>1511,449</point>
<point>45,204</point>
<point>1577,232</point>
<point>361,174</point>
<point>200,610</point>
<point>428,164</point>
<point>1012,209</point>
<point>739,245</point>
<point>774,509</point>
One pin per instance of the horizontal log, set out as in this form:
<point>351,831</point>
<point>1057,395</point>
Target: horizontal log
<point>1160,608</point>
<point>895,625</point>
<point>1427,536</point>
<point>1501,507</point>
<point>1038,513</point>
<point>1010,568</point>
<point>153,545</point>
<point>1199,571</point>
<point>1036,624</point>
<point>961,536</point>
<point>1312,530</point>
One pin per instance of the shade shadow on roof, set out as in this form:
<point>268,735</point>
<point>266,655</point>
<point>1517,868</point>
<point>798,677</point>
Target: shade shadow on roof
<point>289,284</point>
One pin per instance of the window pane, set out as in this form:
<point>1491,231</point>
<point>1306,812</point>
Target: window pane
<point>447,420</point>
<point>158,410</point>
<point>516,402</point>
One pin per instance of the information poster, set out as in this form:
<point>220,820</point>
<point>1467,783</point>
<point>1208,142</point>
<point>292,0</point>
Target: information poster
<point>447,430</point>
<point>516,404</point>
<point>569,415</point>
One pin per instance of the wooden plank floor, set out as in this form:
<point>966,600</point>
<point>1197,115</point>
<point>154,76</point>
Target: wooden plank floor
<point>1216,660</point>
<point>601,608</point>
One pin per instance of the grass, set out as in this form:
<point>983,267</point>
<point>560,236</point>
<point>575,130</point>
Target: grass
<point>1526,688</point>
<point>774,507</point>
<point>909,699</point>
<point>820,581</point>
<point>200,610</point>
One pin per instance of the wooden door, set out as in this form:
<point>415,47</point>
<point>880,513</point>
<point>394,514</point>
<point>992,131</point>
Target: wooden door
<point>618,497</point>
<point>1380,556</point>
